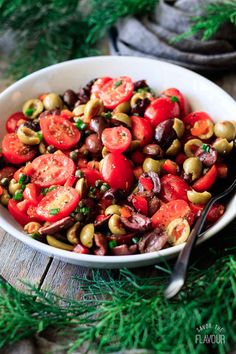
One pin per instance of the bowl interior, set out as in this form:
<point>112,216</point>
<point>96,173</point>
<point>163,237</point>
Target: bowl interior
<point>201,93</point>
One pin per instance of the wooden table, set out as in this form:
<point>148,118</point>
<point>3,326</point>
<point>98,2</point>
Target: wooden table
<point>19,262</point>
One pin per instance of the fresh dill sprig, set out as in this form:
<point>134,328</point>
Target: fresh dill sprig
<point>215,15</point>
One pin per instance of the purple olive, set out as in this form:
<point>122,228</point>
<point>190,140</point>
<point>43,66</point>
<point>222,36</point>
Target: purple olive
<point>165,134</point>
<point>101,245</point>
<point>153,241</point>
<point>93,143</point>
<point>155,180</point>
<point>208,157</point>
<point>98,124</point>
<point>137,222</point>
<point>124,250</point>
<point>70,98</point>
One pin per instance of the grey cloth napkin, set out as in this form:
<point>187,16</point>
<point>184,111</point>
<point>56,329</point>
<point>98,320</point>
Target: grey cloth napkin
<point>151,37</point>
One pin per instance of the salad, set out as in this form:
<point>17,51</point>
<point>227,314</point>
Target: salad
<point>114,169</point>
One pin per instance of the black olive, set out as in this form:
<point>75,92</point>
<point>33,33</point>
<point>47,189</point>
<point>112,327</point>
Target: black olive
<point>165,134</point>
<point>70,98</point>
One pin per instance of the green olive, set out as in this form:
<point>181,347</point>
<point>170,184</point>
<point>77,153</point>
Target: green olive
<point>28,136</point>
<point>93,108</point>
<point>81,187</point>
<point>123,107</point>
<point>113,209</point>
<point>193,166</point>
<point>122,118</point>
<point>115,225</point>
<point>151,165</point>
<point>222,146</point>
<point>79,110</point>
<point>32,108</point>
<point>13,186</point>
<point>5,197</point>
<point>179,128</point>
<point>87,235</point>
<point>138,97</point>
<point>210,130</point>
<point>52,101</point>
<point>174,148</point>
<point>191,146</point>
<point>198,198</point>
<point>134,145</point>
<point>52,241</point>
<point>225,130</point>
<point>72,233</point>
<point>172,234</point>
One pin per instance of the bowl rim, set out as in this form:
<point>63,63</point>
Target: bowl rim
<point>109,260</point>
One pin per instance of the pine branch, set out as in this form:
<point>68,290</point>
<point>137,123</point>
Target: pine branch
<point>215,15</point>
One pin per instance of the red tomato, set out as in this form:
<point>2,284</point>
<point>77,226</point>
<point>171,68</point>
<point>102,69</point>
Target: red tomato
<point>14,151</point>
<point>205,182</point>
<point>32,193</point>
<point>173,210</point>
<point>170,166</point>
<point>216,211</point>
<point>81,249</point>
<point>91,175</point>
<point>11,123</point>
<point>117,171</point>
<point>222,170</point>
<point>7,172</point>
<point>59,132</point>
<point>181,100</point>
<point>116,139</point>
<point>98,84</point>
<point>137,157</point>
<point>24,206</point>
<point>51,169</point>
<point>141,130</point>
<point>18,215</point>
<point>27,170</point>
<point>1,190</point>
<point>70,181</point>
<point>116,91</point>
<point>180,158</point>
<point>146,182</point>
<point>173,187</point>
<point>140,204</point>
<point>193,117</point>
<point>58,204</point>
<point>161,109</point>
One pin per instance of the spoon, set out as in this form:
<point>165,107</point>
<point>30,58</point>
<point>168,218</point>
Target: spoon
<point>179,273</point>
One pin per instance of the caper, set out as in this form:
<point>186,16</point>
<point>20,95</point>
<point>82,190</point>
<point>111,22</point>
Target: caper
<point>113,209</point>
<point>193,166</point>
<point>5,197</point>
<point>42,148</point>
<point>23,178</point>
<point>153,150</point>
<point>93,108</point>
<point>51,149</point>
<point>225,130</point>
<point>79,174</point>
<point>174,148</point>
<point>79,110</point>
<point>222,146</point>
<point>52,101</point>
<point>123,107</point>
<point>105,151</point>
<point>81,187</point>
<point>52,241</point>
<point>4,182</point>
<point>32,108</point>
<point>198,198</point>
<point>178,126</point>
<point>98,183</point>
<point>191,146</point>
<point>74,155</point>
<point>122,118</point>
<point>28,136</point>
<point>87,235</point>
<point>71,233</point>
<point>151,165</point>
<point>115,225</point>
<point>104,187</point>
<point>13,186</point>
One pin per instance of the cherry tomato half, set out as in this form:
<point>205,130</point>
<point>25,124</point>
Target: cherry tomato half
<point>116,91</point>
<point>11,123</point>
<point>117,171</point>
<point>98,84</point>
<point>205,182</point>
<point>116,139</point>
<point>14,151</point>
<point>18,215</point>
<point>141,130</point>
<point>193,117</point>
<point>182,101</point>
<point>59,132</point>
<point>173,210</point>
<point>58,204</point>
<point>52,169</point>
<point>91,175</point>
<point>32,193</point>
<point>173,187</point>
<point>161,109</point>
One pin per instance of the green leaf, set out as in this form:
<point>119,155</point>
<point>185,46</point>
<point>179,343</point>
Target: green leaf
<point>54,211</point>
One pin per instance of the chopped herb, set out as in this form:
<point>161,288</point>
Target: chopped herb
<point>98,183</point>
<point>46,190</point>
<point>80,124</point>
<point>174,99</point>
<point>54,211</point>
<point>206,147</point>
<point>35,235</point>
<point>112,243</point>
<point>135,239</point>
<point>107,115</point>
<point>18,195</point>
<point>136,114</point>
<point>117,83</point>
<point>84,210</point>
<point>29,112</point>
<point>40,135</point>
<point>104,187</point>
<point>143,89</point>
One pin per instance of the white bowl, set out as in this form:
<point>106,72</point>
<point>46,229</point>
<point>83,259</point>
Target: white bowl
<point>202,94</point>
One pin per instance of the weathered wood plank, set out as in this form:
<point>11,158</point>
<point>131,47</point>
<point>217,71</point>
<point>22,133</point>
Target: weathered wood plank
<point>20,263</point>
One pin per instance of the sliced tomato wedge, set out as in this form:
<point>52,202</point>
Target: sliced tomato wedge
<point>58,204</point>
<point>116,91</point>
<point>21,217</point>
<point>173,187</point>
<point>142,130</point>
<point>140,204</point>
<point>206,182</point>
<point>11,123</point>
<point>216,211</point>
<point>117,171</point>
<point>170,166</point>
<point>161,109</point>
<point>59,132</point>
<point>7,172</point>
<point>98,84</point>
<point>91,175</point>
<point>177,96</point>
<point>193,117</point>
<point>116,139</point>
<point>32,193</point>
<point>14,151</point>
<point>172,210</point>
<point>52,169</point>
